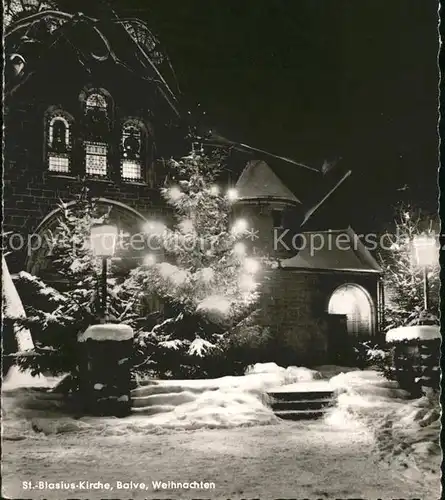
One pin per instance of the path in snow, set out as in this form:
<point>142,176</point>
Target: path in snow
<point>288,460</point>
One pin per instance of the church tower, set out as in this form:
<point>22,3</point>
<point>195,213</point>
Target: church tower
<point>272,212</point>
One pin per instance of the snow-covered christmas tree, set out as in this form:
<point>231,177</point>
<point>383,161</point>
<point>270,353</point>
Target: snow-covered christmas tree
<point>403,276</point>
<point>198,268</point>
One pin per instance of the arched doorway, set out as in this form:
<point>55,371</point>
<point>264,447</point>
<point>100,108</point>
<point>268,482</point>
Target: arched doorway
<point>355,303</point>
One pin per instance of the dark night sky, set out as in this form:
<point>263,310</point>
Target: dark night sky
<point>313,80</point>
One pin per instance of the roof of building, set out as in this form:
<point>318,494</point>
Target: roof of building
<point>127,42</point>
<point>259,182</point>
<point>337,250</point>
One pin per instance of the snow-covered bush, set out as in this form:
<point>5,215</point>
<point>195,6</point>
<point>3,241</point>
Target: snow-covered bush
<point>376,355</point>
<point>382,360</point>
<point>246,344</point>
<point>423,317</point>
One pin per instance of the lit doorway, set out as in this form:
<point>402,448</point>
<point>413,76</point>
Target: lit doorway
<point>355,303</point>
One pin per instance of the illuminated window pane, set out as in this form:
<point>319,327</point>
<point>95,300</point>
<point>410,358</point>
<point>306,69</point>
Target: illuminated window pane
<point>58,164</point>
<point>96,158</point>
<point>59,133</point>
<point>58,146</point>
<point>131,170</point>
<point>96,101</point>
<point>131,141</point>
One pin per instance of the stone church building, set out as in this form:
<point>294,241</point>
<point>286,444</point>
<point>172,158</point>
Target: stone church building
<point>94,103</point>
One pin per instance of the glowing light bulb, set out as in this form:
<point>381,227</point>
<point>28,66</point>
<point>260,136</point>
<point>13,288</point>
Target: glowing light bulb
<point>232,194</point>
<point>239,248</point>
<point>214,190</point>
<point>240,226</point>
<point>251,265</point>
<point>207,274</point>
<point>174,193</point>
<point>247,283</point>
<point>154,227</point>
<point>149,260</point>
<point>186,226</point>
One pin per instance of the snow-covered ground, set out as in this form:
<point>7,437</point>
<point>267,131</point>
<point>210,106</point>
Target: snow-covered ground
<point>226,433</point>
<point>406,432</point>
<point>185,404</point>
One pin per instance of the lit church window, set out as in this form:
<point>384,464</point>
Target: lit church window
<point>58,164</point>
<point>96,101</point>
<point>97,129</point>
<point>131,151</point>
<point>96,158</point>
<point>59,144</point>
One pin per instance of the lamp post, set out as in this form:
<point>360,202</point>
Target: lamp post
<point>103,243</point>
<point>425,254</point>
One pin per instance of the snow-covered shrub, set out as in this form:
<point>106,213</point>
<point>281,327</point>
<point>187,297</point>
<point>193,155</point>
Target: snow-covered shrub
<point>422,317</point>
<point>183,346</point>
<point>361,353</point>
<point>246,344</point>
<point>375,355</point>
<point>382,360</point>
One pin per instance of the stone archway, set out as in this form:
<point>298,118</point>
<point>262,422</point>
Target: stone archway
<point>37,261</point>
<point>356,304</point>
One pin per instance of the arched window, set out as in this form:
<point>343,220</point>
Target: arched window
<point>59,143</point>
<point>132,145</point>
<point>97,128</point>
<point>96,102</point>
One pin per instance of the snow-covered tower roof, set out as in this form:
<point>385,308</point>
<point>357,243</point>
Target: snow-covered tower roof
<point>259,182</point>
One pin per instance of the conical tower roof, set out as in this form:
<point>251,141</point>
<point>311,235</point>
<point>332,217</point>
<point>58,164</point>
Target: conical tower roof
<point>259,182</point>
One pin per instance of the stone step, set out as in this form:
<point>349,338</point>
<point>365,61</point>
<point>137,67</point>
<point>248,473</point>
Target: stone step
<point>152,410</point>
<point>175,398</point>
<point>149,390</point>
<point>310,404</point>
<point>148,381</point>
<point>301,396</point>
<point>300,414</point>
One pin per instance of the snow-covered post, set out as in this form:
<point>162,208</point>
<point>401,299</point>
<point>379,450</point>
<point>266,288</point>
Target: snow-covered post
<point>105,369</point>
<point>416,356</point>
<point>429,352</point>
